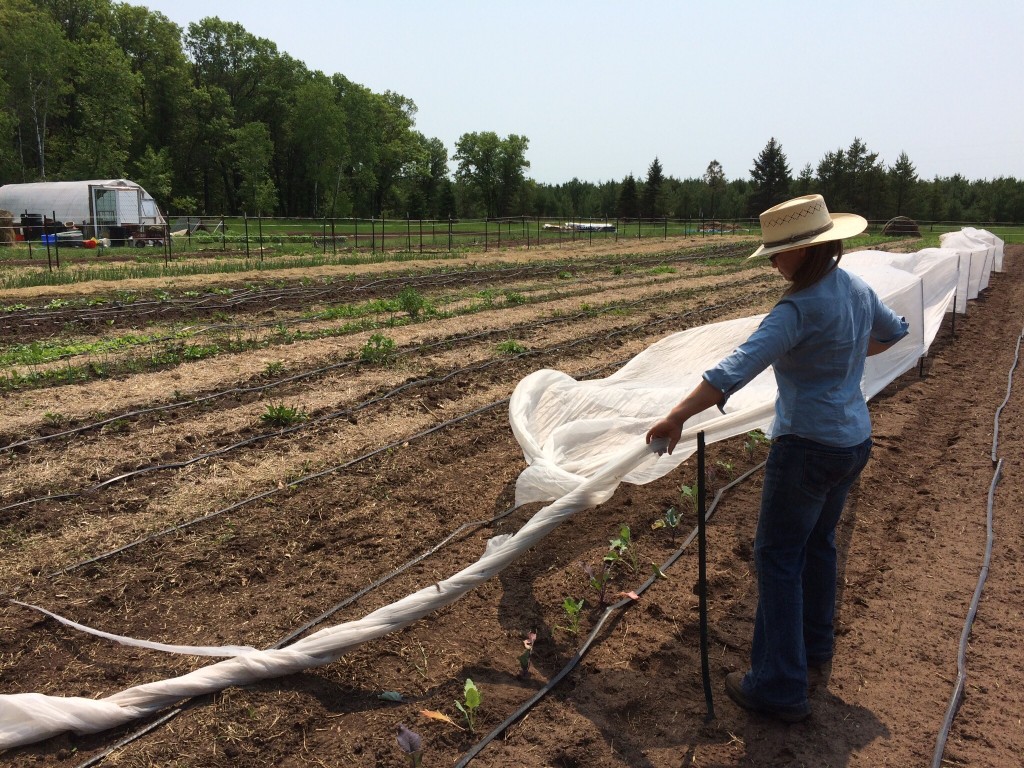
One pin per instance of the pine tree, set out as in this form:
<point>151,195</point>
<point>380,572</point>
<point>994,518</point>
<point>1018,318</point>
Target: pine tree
<point>627,203</point>
<point>652,207</point>
<point>771,178</point>
<point>903,176</point>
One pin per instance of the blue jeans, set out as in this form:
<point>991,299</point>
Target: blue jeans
<point>805,489</point>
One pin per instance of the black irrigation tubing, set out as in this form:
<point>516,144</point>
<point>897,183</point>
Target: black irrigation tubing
<point>291,636</point>
<point>344,413</point>
<point>331,416</point>
<point>191,332</point>
<point>620,606</point>
<point>322,473</point>
<point>345,363</point>
<point>961,658</point>
<point>217,301</point>
<point>287,486</point>
<point>197,330</point>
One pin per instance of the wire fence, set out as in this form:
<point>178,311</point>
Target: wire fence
<point>262,237</point>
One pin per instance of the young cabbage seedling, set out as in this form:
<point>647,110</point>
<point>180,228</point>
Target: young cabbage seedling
<point>599,579</point>
<point>572,609</point>
<point>524,658</point>
<point>754,439</point>
<point>688,497</point>
<point>622,546</point>
<point>670,521</point>
<point>469,704</point>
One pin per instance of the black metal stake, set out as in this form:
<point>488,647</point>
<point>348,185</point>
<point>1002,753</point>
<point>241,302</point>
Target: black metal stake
<point>702,578</point>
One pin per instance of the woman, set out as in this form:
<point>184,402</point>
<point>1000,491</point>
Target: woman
<point>816,338</point>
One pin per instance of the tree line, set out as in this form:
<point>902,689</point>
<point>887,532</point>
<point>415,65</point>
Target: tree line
<point>214,120</point>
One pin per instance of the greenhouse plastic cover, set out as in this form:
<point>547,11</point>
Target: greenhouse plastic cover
<point>580,439</point>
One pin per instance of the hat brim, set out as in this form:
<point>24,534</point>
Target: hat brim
<point>844,225</point>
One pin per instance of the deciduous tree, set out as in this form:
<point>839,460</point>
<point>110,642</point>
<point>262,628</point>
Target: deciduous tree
<point>714,178</point>
<point>494,168</point>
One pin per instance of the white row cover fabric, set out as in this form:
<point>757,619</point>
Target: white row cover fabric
<point>580,439</point>
<point>981,252</point>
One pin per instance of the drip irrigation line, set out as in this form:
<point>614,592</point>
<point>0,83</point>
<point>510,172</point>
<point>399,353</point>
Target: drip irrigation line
<point>620,606</point>
<point>1009,388</point>
<point>346,363</point>
<point>294,635</point>
<point>216,302</point>
<point>961,656</point>
<point>291,637</point>
<point>271,492</point>
<point>265,494</point>
<point>349,411</point>
<point>961,659</point>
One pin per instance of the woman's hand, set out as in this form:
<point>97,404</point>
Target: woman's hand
<point>667,429</point>
<point>671,427</point>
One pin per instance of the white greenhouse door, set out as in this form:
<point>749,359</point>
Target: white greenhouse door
<point>128,207</point>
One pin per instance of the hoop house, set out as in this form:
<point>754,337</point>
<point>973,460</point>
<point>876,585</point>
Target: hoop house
<point>101,208</point>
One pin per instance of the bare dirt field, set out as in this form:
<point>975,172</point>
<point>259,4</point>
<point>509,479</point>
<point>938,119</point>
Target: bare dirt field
<point>159,501</point>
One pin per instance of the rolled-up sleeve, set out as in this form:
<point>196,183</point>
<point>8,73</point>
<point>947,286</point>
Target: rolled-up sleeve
<point>887,327</point>
<point>777,334</point>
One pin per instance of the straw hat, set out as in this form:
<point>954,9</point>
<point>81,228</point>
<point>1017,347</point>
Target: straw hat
<point>804,221</point>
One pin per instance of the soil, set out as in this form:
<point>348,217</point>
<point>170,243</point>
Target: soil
<point>302,517</point>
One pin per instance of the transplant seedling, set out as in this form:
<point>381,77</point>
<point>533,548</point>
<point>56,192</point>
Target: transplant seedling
<point>755,438</point>
<point>573,609</point>
<point>688,496</point>
<point>670,521</point>
<point>411,743</point>
<point>469,704</point>
<point>599,579</point>
<point>524,658</point>
<point>622,546</point>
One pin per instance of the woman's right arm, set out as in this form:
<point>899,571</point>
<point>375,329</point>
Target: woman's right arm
<point>700,399</point>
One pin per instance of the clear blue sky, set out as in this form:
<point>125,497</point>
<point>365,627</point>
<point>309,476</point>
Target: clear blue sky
<point>601,88</point>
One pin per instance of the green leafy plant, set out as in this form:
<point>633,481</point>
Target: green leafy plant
<point>621,548</point>
<point>275,368</point>
<point>511,347</point>
<point>755,439</point>
<point>411,301</point>
<point>573,610</point>
<point>670,520</point>
<point>598,579</point>
<point>52,419</point>
<point>281,415</point>
<point>688,497</point>
<point>379,349</point>
<point>515,298</point>
<point>469,704</point>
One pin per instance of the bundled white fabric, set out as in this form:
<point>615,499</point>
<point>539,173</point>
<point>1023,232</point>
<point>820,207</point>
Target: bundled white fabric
<point>984,236</point>
<point>581,439</point>
<point>30,717</point>
<point>978,252</point>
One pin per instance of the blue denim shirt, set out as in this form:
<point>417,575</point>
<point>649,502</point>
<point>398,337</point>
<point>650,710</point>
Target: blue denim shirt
<point>817,341</point>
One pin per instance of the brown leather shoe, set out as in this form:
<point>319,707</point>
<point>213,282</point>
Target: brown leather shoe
<point>818,676</point>
<point>734,688</point>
